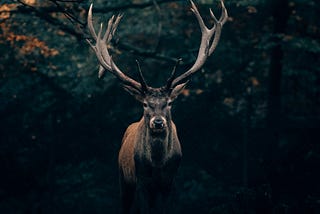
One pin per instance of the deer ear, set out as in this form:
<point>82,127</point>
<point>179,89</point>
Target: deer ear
<point>134,92</point>
<point>177,90</point>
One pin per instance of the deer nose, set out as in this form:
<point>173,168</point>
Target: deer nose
<point>158,123</point>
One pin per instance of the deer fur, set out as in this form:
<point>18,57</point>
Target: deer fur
<point>148,161</point>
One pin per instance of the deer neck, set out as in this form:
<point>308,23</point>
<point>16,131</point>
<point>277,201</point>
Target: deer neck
<point>157,144</point>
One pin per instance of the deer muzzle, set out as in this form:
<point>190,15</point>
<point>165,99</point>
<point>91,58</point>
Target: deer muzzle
<point>158,123</point>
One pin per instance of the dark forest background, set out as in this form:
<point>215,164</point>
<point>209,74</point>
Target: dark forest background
<point>248,121</point>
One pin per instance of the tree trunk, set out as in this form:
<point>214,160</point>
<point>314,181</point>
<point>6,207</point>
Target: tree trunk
<point>280,13</point>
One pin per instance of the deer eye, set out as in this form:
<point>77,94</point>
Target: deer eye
<point>145,105</point>
<point>170,103</point>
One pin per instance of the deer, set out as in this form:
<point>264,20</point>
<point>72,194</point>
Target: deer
<point>150,153</point>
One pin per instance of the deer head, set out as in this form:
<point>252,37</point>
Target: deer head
<point>156,101</point>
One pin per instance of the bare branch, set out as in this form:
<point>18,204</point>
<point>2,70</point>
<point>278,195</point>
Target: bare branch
<point>67,14</point>
<point>132,6</point>
<point>28,9</point>
<point>144,53</point>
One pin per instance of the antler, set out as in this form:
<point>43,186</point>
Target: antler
<point>103,55</point>
<point>208,45</point>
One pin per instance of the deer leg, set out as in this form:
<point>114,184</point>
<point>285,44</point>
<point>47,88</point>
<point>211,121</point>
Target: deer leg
<point>143,199</point>
<point>126,196</point>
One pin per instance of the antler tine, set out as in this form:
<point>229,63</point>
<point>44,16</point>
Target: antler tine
<point>195,10</point>
<point>107,37</point>
<point>90,24</point>
<point>116,23</point>
<point>218,24</point>
<point>101,50</point>
<point>224,15</point>
<point>173,74</point>
<point>208,44</point>
<point>143,83</point>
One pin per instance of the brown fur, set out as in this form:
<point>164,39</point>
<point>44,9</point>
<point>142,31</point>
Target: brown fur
<point>126,154</point>
<point>154,179</point>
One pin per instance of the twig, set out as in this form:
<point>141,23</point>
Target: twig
<point>150,54</point>
<point>68,15</point>
<point>42,15</point>
<point>71,1</point>
<point>131,6</point>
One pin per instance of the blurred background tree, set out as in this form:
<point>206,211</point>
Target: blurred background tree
<point>248,122</point>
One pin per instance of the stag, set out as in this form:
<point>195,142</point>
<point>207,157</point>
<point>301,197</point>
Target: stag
<point>150,152</point>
